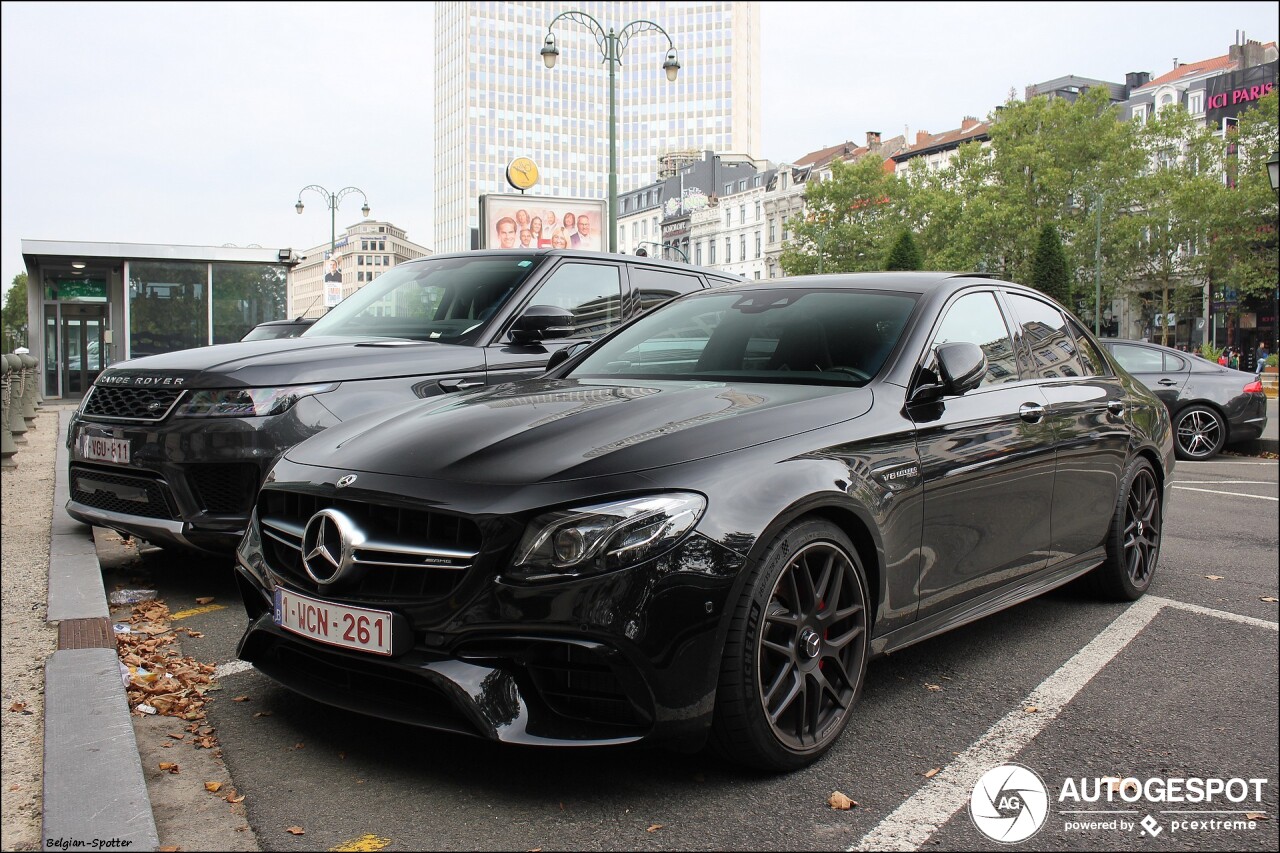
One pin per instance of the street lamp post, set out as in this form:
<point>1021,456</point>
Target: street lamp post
<point>611,47</point>
<point>1097,268</point>
<point>333,200</point>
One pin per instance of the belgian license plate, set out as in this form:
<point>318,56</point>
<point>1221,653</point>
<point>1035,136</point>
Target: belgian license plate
<point>101,449</point>
<point>335,624</point>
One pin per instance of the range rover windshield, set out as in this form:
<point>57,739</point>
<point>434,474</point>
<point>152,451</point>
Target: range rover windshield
<point>445,300</point>
<point>792,336</point>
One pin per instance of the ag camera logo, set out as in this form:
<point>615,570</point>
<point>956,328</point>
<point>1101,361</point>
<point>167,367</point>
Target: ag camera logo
<point>1009,804</point>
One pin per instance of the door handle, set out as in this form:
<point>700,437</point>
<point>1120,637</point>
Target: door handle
<point>1167,382</point>
<point>1032,413</point>
<point>1116,407</point>
<point>459,384</point>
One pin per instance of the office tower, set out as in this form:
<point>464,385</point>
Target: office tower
<point>495,100</point>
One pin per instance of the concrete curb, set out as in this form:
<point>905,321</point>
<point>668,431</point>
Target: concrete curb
<point>94,789</point>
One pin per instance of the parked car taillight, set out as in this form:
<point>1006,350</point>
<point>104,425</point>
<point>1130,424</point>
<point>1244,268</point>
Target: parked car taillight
<point>1254,387</point>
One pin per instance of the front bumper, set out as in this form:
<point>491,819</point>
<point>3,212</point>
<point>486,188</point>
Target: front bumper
<point>189,483</point>
<point>623,656</point>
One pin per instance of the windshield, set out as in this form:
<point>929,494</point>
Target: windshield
<point>790,336</point>
<point>446,300</point>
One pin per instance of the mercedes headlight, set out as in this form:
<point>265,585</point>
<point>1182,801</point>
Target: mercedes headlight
<point>601,537</point>
<point>248,402</point>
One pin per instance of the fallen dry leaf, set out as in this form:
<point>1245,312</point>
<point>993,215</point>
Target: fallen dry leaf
<point>299,745</point>
<point>932,773</point>
<point>213,787</point>
<point>170,848</point>
<point>1269,598</point>
<point>1214,577</point>
<point>932,686</point>
<point>205,599</point>
<point>839,801</point>
<point>263,714</point>
<point>241,699</point>
<point>178,736</point>
<point>654,827</point>
<point>296,830</point>
<point>1256,816</point>
<point>233,797</point>
<point>1031,709</point>
<point>169,765</point>
<point>17,706</point>
<point>1116,786</point>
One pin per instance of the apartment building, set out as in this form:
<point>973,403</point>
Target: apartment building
<point>364,251</point>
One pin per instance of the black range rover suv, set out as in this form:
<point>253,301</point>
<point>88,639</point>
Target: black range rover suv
<point>171,448</point>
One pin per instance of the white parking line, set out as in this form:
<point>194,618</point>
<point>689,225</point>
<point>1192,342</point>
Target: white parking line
<point>1232,494</point>
<point>912,823</point>
<point>1224,482</point>
<point>231,667</point>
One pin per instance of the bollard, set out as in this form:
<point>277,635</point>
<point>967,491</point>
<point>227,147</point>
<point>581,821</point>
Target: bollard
<point>17,385</point>
<point>29,381</point>
<point>7,446</point>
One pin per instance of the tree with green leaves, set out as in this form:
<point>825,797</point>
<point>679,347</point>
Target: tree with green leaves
<point>1049,273</point>
<point>904,255</point>
<point>1242,246</point>
<point>1172,213</point>
<point>849,220</point>
<point>15,314</point>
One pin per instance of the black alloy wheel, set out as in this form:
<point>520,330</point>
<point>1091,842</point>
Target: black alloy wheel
<point>1199,433</point>
<point>797,651</point>
<point>1133,543</point>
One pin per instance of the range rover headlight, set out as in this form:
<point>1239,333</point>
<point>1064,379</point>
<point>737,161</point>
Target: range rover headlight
<point>248,402</point>
<point>601,537</point>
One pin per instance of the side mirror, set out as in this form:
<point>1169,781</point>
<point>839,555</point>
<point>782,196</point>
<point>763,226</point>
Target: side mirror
<point>542,322</point>
<point>563,354</point>
<point>961,366</point>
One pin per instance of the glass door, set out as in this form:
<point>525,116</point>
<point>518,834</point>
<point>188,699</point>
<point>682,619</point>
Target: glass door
<point>83,351</point>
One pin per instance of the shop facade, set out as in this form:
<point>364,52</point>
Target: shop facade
<point>90,305</point>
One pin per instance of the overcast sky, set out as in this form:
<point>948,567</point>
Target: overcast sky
<point>197,123</point>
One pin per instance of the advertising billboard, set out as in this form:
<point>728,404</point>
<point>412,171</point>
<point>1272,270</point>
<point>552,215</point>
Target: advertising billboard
<point>516,221</point>
<point>332,279</point>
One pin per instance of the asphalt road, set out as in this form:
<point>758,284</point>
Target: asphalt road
<point>1182,684</point>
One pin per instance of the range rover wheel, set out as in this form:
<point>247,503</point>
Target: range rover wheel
<point>796,652</point>
<point>1133,542</point>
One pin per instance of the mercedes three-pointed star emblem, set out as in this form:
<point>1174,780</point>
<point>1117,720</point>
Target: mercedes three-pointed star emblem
<point>328,546</point>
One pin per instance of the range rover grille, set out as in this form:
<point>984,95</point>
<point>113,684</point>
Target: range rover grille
<point>147,405</point>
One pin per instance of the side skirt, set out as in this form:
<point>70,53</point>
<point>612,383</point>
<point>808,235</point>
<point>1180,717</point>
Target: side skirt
<point>983,606</point>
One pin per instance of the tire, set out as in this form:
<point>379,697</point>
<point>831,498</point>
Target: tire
<point>1133,541</point>
<point>1199,433</point>
<point>794,661</point>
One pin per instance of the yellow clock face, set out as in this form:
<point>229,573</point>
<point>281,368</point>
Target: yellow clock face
<point>522,173</point>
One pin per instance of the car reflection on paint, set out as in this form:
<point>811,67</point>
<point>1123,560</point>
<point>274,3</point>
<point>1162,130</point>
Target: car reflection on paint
<point>1211,406</point>
<point>700,528</point>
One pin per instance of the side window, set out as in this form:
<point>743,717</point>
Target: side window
<point>1090,359</point>
<point>657,286</point>
<point>1137,359</point>
<point>1044,331</point>
<point>976,318</point>
<point>1174,363</point>
<point>593,292</point>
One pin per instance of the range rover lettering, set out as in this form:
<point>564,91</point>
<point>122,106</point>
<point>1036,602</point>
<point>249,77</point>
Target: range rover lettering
<point>171,448</point>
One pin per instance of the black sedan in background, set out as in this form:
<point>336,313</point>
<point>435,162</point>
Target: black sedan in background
<point>702,526</point>
<point>1211,406</point>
